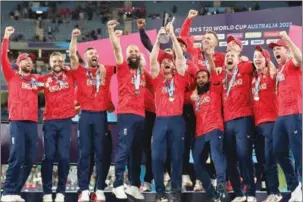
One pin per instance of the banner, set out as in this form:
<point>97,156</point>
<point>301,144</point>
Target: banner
<point>106,56</point>
<point>295,33</point>
<point>253,28</point>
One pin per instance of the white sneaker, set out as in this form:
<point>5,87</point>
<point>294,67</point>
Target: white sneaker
<point>186,181</point>
<point>251,199</point>
<point>99,196</point>
<point>135,192</point>
<point>239,199</point>
<point>47,198</point>
<point>166,178</point>
<point>18,198</point>
<point>146,187</point>
<point>84,196</point>
<point>59,197</point>
<point>273,198</point>
<point>198,186</point>
<point>214,182</point>
<point>8,198</point>
<point>119,192</point>
<point>296,195</point>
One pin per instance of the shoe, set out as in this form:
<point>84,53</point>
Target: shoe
<point>59,197</point>
<point>221,189</point>
<point>217,199</point>
<point>296,195</point>
<point>84,196</point>
<point>161,198</point>
<point>135,192</point>
<point>239,199</point>
<point>98,196</point>
<point>186,181</point>
<point>176,197</point>
<point>8,198</point>
<point>18,198</point>
<point>273,198</point>
<point>251,199</point>
<point>119,192</point>
<point>198,186</point>
<point>229,188</point>
<point>166,179</point>
<point>146,187</point>
<point>47,198</point>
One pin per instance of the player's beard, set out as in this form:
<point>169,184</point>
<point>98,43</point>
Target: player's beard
<point>25,70</point>
<point>134,64</point>
<point>203,88</point>
<point>57,71</point>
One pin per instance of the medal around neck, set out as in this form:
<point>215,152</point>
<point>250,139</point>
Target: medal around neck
<point>137,91</point>
<point>171,98</point>
<point>256,98</point>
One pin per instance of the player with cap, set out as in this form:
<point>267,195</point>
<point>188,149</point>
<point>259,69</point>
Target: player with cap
<point>57,125</point>
<point>23,90</point>
<point>238,124</point>
<point>288,126</point>
<point>93,82</point>
<point>133,80</point>
<point>206,99</point>
<point>169,128</point>
<point>265,108</point>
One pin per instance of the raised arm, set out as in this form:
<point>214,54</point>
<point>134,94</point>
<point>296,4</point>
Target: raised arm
<point>154,65</point>
<point>115,41</point>
<point>145,40</point>
<point>209,55</point>
<point>297,55</point>
<point>185,29</point>
<point>5,64</point>
<point>74,60</point>
<point>180,59</point>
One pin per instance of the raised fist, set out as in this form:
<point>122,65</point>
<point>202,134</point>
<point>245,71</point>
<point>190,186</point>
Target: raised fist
<point>141,23</point>
<point>9,31</point>
<point>192,13</point>
<point>76,33</point>
<point>284,35</point>
<point>118,33</point>
<point>169,28</point>
<point>112,24</point>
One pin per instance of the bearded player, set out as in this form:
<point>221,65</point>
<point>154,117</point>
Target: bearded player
<point>206,100</point>
<point>23,116</point>
<point>132,82</point>
<point>57,125</point>
<point>288,126</point>
<point>169,84</point>
<point>93,82</point>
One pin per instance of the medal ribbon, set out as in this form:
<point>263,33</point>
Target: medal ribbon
<point>257,84</point>
<point>170,88</point>
<point>137,78</point>
<point>98,79</point>
<point>61,83</point>
<point>231,82</point>
<point>32,81</point>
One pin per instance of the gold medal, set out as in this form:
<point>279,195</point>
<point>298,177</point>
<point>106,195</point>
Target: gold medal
<point>171,99</point>
<point>137,91</point>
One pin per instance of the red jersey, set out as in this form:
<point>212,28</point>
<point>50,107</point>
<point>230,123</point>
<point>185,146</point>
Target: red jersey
<point>238,103</point>
<point>208,109</point>
<point>91,96</point>
<point>149,101</point>
<point>129,101</point>
<point>197,53</point>
<point>165,107</point>
<point>266,108</point>
<point>289,89</point>
<point>59,96</point>
<point>22,91</point>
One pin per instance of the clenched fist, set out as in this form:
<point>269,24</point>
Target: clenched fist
<point>118,33</point>
<point>141,23</point>
<point>8,31</point>
<point>192,13</point>
<point>76,33</point>
<point>284,35</point>
<point>112,24</point>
